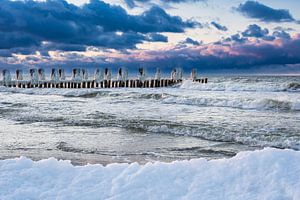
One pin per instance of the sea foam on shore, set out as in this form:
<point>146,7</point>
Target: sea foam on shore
<point>264,174</point>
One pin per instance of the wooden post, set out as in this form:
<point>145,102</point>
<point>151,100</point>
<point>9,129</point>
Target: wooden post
<point>135,83</point>
<point>152,83</point>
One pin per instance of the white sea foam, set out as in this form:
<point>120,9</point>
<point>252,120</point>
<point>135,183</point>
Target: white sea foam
<point>241,102</point>
<point>264,174</point>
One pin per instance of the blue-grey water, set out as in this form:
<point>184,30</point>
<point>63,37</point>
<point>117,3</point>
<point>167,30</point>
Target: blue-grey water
<point>191,120</point>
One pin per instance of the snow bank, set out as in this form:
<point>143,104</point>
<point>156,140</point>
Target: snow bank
<point>265,174</point>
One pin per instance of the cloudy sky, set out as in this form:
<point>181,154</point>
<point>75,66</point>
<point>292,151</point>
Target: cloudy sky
<point>211,35</point>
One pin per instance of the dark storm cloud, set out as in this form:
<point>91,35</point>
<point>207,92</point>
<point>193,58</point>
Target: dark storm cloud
<point>219,26</point>
<point>17,39</point>
<point>237,56</point>
<point>256,31</point>
<point>245,56</point>
<point>282,34</point>
<point>191,41</point>
<point>155,37</point>
<point>233,38</point>
<point>254,9</point>
<point>28,23</point>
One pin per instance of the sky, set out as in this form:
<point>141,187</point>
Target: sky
<point>212,35</point>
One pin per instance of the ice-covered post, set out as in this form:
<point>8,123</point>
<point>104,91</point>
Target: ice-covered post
<point>120,75</point>
<point>119,78</point>
<point>61,74</point>
<point>107,74</point>
<point>42,78</point>
<point>19,75</point>
<point>85,75</point>
<point>179,73</point>
<point>194,74</point>
<point>34,79</point>
<point>157,74</point>
<point>54,75</point>
<point>6,77</point>
<point>76,75</point>
<point>142,75</point>
<point>41,74</point>
<point>174,74</point>
<point>125,74</point>
<point>107,77</point>
<point>98,77</point>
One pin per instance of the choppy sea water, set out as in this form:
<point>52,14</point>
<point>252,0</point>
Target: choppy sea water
<point>191,120</point>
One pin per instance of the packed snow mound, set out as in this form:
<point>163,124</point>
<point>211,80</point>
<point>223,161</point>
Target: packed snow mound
<point>264,174</point>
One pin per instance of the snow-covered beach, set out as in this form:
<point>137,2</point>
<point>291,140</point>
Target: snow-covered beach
<point>262,174</point>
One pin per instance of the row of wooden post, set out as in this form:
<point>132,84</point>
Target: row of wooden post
<point>133,83</point>
<point>201,80</point>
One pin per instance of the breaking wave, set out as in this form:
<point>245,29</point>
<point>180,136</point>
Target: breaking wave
<point>203,130</point>
<point>90,93</point>
<point>245,103</point>
<point>243,86</point>
<point>293,86</point>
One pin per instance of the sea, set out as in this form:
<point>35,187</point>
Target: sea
<point>191,120</point>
